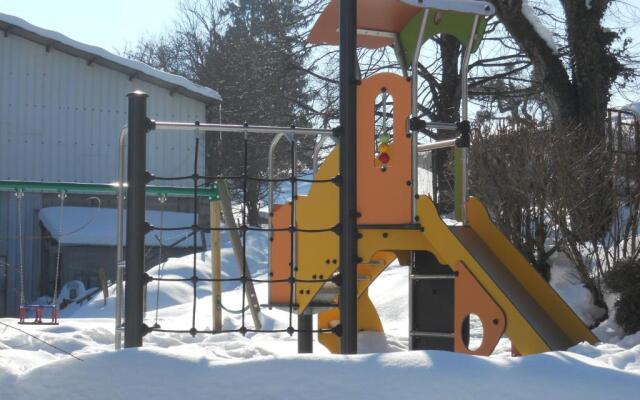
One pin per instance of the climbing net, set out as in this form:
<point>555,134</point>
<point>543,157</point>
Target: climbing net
<point>201,181</point>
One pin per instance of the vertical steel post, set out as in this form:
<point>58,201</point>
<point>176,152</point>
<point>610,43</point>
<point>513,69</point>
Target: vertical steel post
<point>305,333</point>
<point>216,264</point>
<point>348,188</point>
<point>138,127</point>
<point>120,266</point>
<point>461,155</point>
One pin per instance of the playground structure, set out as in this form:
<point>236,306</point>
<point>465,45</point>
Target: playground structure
<point>363,210</point>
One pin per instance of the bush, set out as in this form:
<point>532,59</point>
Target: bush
<point>624,278</point>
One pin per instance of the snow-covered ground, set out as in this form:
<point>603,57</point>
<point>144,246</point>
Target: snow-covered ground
<point>265,365</point>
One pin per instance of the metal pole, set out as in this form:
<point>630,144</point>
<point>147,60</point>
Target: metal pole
<point>414,112</point>
<point>190,126</point>
<point>305,322</point>
<point>236,244</point>
<point>316,153</point>
<point>462,153</point>
<point>138,127</point>
<point>348,188</point>
<point>305,333</point>
<point>271,198</point>
<point>443,144</point>
<point>214,210</point>
<point>120,240</point>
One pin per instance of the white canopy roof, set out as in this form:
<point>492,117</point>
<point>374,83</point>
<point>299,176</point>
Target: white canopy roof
<point>92,226</point>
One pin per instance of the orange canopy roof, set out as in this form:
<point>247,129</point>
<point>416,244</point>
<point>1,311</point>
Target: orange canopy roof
<point>378,15</point>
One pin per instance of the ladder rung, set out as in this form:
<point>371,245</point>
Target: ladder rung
<point>431,277</point>
<point>433,334</point>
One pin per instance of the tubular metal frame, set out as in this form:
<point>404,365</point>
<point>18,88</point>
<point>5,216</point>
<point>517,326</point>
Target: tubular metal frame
<point>414,112</point>
<point>464,151</point>
<point>195,127</point>
<point>442,144</point>
<point>440,125</point>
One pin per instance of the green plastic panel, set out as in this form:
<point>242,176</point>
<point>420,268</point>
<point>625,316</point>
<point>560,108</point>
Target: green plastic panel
<point>453,23</point>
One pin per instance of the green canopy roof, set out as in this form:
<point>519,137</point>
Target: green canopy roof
<point>394,22</point>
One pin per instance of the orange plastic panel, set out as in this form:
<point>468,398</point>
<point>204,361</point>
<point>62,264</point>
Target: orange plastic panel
<point>280,292</point>
<point>380,15</point>
<point>471,298</point>
<point>384,197</point>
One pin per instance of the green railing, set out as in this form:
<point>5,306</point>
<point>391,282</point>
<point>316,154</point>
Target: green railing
<point>111,188</point>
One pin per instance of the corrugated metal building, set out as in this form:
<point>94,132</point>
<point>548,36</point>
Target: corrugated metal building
<point>62,105</point>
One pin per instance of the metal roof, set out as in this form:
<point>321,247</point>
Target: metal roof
<point>11,25</point>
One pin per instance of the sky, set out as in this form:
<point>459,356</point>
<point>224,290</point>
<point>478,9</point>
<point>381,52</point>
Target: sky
<point>111,24</point>
<point>117,24</point>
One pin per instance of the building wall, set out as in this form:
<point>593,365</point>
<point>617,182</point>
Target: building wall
<point>60,120</point>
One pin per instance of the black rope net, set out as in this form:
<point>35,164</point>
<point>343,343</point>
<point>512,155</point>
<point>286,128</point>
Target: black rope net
<point>199,182</point>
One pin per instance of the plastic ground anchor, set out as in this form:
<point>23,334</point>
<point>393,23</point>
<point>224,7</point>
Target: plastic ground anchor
<point>337,330</point>
<point>148,177</point>
<point>147,329</point>
<point>146,278</point>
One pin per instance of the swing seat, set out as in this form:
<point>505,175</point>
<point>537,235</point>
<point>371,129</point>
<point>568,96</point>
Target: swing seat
<point>39,313</point>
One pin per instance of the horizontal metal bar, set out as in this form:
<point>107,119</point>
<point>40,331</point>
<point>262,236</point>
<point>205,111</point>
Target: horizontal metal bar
<point>444,126</point>
<point>443,144</point>
<point>464,6</point>
<point>433,334</point>
<point>6,185</point>
<point>431,277</point>
<point>191,126</point>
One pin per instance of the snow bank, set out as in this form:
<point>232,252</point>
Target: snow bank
<point>194,373</point>
<point>266,366</point>
<point>565,281</point>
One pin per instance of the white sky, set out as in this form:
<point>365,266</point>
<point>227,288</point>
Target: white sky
<point>115,24</point>
<point>110,24</point>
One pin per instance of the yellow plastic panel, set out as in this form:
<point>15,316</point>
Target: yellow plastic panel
<point>368,320</point>
<point>318,253</point>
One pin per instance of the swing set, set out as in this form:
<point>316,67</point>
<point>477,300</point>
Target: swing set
<point>48,313</point>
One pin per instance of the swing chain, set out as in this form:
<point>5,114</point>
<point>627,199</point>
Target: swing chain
<point>19,198</point>
<point>62,195</point>
<point>163,200</point>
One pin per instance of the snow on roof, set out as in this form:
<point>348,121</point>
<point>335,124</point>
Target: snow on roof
<point>94,54</point>
<point>92,226</point>
<point>633,107</point>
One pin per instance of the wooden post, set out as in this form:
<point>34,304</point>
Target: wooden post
<point>216,266</point>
